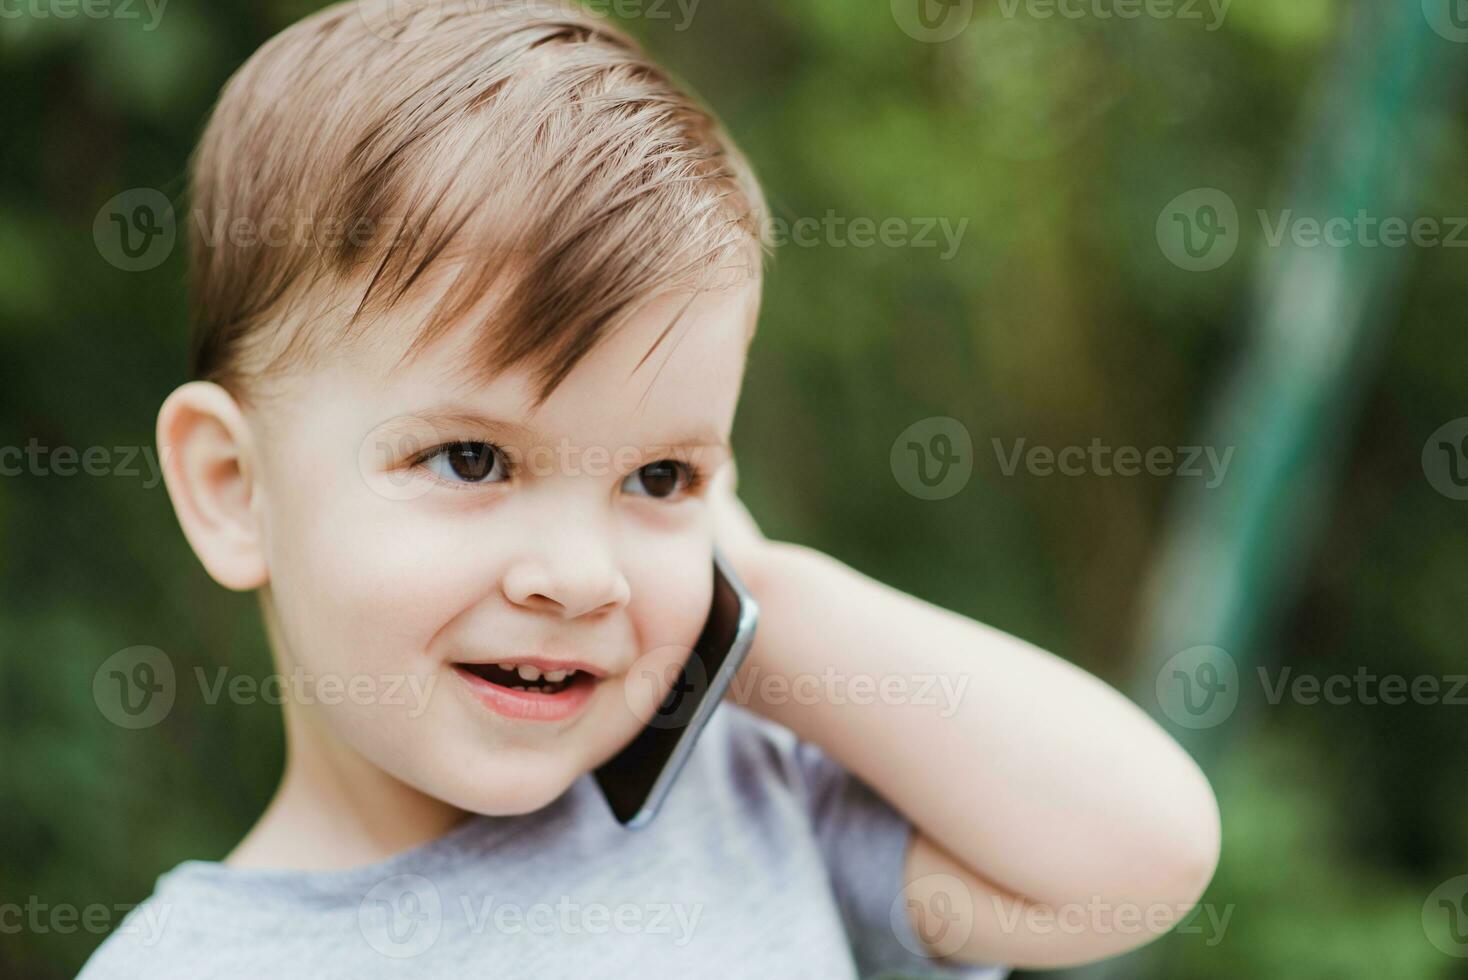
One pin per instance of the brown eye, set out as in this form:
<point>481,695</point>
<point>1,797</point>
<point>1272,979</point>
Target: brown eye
<point>464,462</point>
<point>661,480</point>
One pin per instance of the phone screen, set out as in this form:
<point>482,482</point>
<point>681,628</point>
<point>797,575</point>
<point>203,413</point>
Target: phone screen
<point>636,780</point>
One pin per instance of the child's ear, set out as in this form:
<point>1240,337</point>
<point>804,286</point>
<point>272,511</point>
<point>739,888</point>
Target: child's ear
<point>209,466</point>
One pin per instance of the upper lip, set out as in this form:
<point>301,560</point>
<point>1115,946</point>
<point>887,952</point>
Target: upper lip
<point>543,663</point>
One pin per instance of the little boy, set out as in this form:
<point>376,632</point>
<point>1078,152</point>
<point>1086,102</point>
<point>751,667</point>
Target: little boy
<point>466,357</point>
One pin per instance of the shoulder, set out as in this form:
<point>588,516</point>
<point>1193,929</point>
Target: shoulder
<point>151,940</point>
<point>203,921</point>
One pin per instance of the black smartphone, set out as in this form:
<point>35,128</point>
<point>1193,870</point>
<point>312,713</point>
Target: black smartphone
<point>636,780</point>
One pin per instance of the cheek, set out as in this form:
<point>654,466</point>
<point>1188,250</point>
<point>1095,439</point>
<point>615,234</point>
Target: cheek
<point>672,586</point>
<point>366,582</point>
<point>362,587</point>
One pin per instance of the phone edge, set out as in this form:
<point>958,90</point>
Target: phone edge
<point>743,641</point>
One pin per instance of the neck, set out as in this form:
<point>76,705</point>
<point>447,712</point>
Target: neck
<point>334,809</point>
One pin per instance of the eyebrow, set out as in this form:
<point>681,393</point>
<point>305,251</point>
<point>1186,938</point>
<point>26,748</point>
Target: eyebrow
<point>702,437</point>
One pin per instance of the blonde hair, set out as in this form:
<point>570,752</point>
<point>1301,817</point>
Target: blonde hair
<point>528,145</point>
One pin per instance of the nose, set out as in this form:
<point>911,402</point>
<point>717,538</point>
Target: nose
<point>569,575</point>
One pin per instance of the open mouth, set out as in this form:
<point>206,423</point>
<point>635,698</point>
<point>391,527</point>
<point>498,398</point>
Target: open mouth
<point>549,691</point>
<point>525,678</point>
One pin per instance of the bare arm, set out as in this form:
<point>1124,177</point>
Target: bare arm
<point>1040,788</point>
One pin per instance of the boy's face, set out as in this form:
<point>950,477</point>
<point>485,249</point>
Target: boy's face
<point>400,572</point>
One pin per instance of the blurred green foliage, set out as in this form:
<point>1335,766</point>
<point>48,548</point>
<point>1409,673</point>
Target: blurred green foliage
<point>1059,320</point>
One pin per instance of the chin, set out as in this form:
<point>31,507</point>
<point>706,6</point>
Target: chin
<point>511,787</point>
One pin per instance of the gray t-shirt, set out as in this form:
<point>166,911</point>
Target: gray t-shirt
<point>767,860</point>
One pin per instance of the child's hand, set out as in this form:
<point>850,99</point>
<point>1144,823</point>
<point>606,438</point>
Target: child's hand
<point>735,531</point>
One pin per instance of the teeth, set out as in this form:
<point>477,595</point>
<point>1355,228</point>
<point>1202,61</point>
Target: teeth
<point>534,677</point>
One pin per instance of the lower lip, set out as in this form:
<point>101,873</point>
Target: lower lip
<point>529,705</point>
